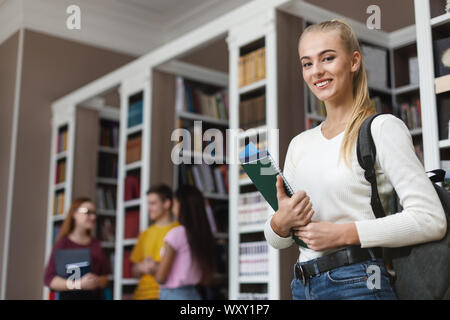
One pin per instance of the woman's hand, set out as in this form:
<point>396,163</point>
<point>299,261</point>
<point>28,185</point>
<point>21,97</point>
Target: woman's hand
<point>292,212</point>
<point>322,235</point>
<point>89,281</point>
<point>152,266</point>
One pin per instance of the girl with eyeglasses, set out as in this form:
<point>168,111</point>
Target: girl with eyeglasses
<point>76,233</point>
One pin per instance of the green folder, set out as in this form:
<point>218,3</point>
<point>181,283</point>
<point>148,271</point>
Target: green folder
<point>263,170</point>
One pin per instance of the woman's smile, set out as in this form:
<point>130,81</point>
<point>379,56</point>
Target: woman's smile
<point>322,83</point>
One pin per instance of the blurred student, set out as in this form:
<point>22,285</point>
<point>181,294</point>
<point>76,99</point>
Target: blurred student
<point>76,233</point>
<point>150,242</point>
<point>188,257</point>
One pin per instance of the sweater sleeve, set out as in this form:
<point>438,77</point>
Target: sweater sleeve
<point>272,237</point>
<point>422,218</point>
<point>50,269</point>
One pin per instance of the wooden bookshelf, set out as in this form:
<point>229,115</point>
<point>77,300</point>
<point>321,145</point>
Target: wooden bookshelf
<point>75,142</point>
<point>187,112</point>
<point>132,176</point>
<point>106,183</point>
<point>59,189</point>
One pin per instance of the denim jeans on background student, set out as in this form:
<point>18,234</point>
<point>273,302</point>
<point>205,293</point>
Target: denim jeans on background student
<point>180,293</point>
<point>345,283</point>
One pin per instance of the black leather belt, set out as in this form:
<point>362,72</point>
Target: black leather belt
<point>343,257</point>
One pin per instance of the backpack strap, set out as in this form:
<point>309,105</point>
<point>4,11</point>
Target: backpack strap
<point>439,175</point>
<point>367,152</point>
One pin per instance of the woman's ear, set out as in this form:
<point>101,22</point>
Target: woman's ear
<point>356,61</point>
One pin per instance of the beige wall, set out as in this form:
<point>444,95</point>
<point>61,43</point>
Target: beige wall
<point>8,63</point>
<point>52,67</point>
<point>214,55</point>
<point>394,14</point>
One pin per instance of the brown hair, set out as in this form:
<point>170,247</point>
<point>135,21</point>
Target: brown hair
<point>362,106</point>
<point>194,218</point>
<point>69,223</point>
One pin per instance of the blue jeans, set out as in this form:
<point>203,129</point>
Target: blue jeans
<point>357,281</point>
<point>180,293</point>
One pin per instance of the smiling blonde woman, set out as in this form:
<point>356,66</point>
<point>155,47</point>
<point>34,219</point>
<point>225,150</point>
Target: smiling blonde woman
<point>331,210</point>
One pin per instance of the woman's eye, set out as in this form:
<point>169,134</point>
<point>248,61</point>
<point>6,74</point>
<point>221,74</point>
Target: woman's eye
<point>329,58</point>
<point>307,64</point>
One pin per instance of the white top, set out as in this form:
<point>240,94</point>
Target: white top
<point>341,195</point>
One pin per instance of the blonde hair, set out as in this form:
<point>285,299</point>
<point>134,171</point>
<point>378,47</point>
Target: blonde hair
<point>362,106</point>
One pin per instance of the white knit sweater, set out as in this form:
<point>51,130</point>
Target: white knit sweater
<point>341,195</point>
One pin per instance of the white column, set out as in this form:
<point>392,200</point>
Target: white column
<point>427,89</point>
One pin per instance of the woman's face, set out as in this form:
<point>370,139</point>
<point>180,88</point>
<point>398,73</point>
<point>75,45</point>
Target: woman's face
<point>326,65</point>
<point>85,216</point>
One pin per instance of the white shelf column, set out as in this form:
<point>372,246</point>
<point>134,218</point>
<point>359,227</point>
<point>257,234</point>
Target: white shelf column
<point>427,90</point>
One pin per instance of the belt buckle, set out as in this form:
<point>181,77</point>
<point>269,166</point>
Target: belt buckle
<point>300,269</point>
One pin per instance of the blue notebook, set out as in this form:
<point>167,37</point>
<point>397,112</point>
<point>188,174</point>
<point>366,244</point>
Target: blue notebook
<point>68,260</point>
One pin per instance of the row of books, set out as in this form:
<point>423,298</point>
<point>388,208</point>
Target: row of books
<point>106,197</point>
<point>58,203</point>
<point>107,229</point>
<point>60,172</point>
<point>253,296</point>
<point>252,67</point>
<point>253,258</point>
<point>56,228</point>
<point>311,123</point>
<point>252,112</point>
<point>199,142</point>
<point>380,105</point>
<point>134,148</point>
<point>253,208</point>
<point>127,270</point>
<point>62,141</point>
<point>112,262</point>
<point>109,134</point>
<point>107,165</point>
<point>375,60</point>
<point>132,187</point>
<point>410,114</point>
<point>135,113</point>
<point>205,177</point>
<point>418,149</point>
<point>131,224</point>
<point>191,99</point>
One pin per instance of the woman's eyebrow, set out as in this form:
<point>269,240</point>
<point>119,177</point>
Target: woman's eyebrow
<point>320,53</point>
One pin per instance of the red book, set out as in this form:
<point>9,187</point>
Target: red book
<point>132,188</point>
<point>224,170</point>
<point>127,264</point>
<point>131,224</point>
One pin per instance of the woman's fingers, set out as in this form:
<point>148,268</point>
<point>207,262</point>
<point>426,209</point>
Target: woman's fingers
<point>303,207</point>
<point>298,197</point>
<point>281,193</point>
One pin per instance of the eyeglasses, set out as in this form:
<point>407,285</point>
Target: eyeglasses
<point>87,211</point>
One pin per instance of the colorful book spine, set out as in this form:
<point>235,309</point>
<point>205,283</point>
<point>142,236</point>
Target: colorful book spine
<point>253,258</point>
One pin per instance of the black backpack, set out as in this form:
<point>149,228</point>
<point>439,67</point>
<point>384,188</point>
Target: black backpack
<point>422,271</point>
